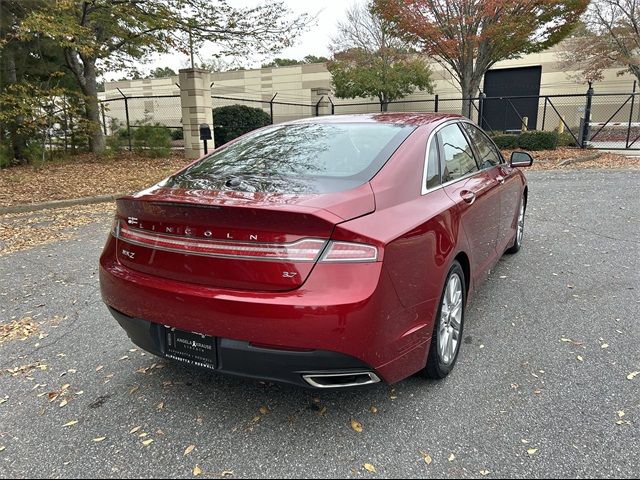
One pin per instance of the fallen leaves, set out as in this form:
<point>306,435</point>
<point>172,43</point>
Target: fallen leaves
<point>427,458</point>
<point>146,443</point>
<point>70,424</point>
<point>452,457</point>
<point>99,439</point>
<point>22,231</point>
<point>59,180</point>
<point>189,449</point>
<point>27,369</point>
<point>632,375</point>
<point>197,471</point>
<point>484,473</point>
<point>18,330</point>
<point>135,430</point>
<point>532,451</point>
<point>356,426</point>
<point>369,468</point>
<point>373,410</point>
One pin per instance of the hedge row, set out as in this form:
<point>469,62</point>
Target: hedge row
<point>534,141</point>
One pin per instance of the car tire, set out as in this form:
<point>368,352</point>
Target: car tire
<point>517,240</point>
<point>449,326</point>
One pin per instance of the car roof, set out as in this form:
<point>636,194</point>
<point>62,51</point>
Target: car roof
<point>392,118</point>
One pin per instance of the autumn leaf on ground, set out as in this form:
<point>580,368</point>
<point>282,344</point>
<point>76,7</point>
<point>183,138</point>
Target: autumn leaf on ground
<point>264,410</point>
<point>621,414</point>
<point>146,443</point>
<point>632,375</point>
<point>99,439</point>
<point>369,468</point>
<point>452,457</point>
<point>197,471</point>
<point>373,410</point>
<point>2,448</point>
<point>226,473</point>
<point>71,424</point>
<point>135,430</point>
<point>160,406</point>
<point>427,458</point>
<point>532,451</point>
<point>189,449</point>
<point>357,426</point>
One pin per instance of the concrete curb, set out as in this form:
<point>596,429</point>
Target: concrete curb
<point>584,158</point>
<point>34,207</point>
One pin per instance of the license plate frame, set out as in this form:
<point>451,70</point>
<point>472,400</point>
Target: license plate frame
<point>191,348</point>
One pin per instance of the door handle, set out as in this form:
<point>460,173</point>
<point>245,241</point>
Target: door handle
<point>500,179</point>
<point>468,196</point>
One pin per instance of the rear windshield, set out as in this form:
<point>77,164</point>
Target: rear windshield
<point>297,159</point>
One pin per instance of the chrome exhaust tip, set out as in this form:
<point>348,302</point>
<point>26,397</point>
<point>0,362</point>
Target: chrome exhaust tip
<point>341,380</point>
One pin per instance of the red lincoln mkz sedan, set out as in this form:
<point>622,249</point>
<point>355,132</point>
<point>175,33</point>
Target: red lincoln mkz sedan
<point>329,252</point>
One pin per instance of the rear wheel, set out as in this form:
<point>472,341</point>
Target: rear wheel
<point>517,241</point>
<point>449,325</point>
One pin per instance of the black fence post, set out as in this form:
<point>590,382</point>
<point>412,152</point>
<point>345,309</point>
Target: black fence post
<point>318,107</point>
<point>633,101</point>
<point>333,106</point>
<point>584,140</point>
<point>481,108</point>
<point>436,105</point>
<point>544,113</point>
<point>271,107</point>
<point>126,111</point>
<point>104,119</point>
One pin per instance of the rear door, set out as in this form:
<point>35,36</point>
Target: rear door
<point>476,194</point>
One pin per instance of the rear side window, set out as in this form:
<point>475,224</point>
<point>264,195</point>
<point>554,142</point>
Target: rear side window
<point>297,158</point>
<point>458,158</point>
<point>433,165</point>
<point>488,154</point>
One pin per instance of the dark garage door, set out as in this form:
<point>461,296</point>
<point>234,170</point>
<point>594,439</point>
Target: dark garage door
<point>503,114</point>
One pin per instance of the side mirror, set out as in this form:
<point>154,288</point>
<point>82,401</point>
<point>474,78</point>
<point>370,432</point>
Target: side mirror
<point>521,159</point>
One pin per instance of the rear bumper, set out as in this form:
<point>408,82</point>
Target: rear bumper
<point>245,360</point>
<point>340,319</point>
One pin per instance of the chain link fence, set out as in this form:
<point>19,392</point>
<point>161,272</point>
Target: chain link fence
<point>614,119</point>
<point>121,116</point>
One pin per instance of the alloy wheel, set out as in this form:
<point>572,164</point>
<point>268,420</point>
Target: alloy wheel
<point>450,326</point>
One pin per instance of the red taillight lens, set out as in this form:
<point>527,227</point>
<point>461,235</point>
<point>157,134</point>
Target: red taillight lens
<point>346,252</point>
<point>305,250</point>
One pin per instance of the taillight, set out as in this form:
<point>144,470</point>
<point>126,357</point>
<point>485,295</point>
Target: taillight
<point>305,250</point>
<point>347,252</point>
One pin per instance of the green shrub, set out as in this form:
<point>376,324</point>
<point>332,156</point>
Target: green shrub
<point>534,141</point>
<point>506,142</point>
<point>236,120</point>
<point>177,134</point>
<point>151,140</point>
<point>565,139</point>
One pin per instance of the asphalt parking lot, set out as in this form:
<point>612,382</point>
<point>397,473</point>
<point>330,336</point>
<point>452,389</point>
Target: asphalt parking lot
<point>542,388</point>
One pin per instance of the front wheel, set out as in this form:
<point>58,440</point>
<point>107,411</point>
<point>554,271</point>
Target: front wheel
<point>517,241</point>
<point>449,325</point>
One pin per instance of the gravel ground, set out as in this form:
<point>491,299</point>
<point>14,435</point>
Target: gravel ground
<point>541,388</point>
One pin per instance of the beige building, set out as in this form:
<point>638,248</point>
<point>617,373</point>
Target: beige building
<point>309,86</point>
